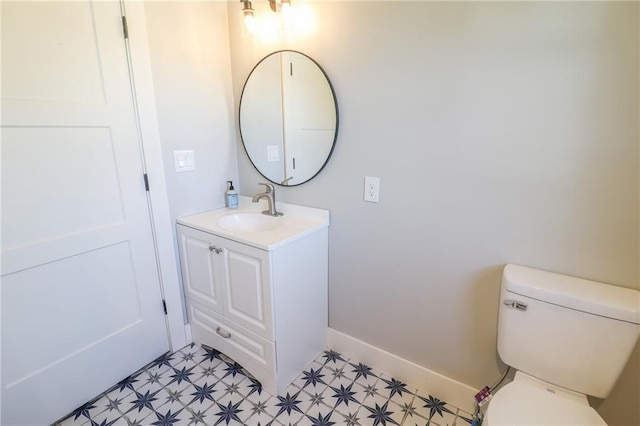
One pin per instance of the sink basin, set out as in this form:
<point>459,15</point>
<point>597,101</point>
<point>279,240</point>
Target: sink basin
<point>247,225</point>
<point>249,222</point>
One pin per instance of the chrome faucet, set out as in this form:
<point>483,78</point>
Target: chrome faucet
<point>270,195</point>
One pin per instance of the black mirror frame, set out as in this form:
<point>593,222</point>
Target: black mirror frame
<point>335,102</point>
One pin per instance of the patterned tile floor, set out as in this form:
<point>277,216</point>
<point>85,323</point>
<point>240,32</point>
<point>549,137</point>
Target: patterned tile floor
<point>200,386</point>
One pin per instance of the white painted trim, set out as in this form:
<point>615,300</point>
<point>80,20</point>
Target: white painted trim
<point>187,332</point>
<point>426,381</point>
<point>160,214</point>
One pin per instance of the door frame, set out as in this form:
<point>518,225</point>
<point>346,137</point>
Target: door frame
<point>144,97</point>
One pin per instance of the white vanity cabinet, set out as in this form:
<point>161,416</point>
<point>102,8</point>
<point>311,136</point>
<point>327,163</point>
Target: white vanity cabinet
<point>264,305</point>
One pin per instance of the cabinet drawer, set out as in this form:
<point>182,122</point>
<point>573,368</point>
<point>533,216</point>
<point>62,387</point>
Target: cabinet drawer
<point>255,354</point>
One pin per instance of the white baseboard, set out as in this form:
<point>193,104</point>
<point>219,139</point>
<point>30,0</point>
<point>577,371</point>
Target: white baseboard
<point>426,381</point>
<point>187,332</point>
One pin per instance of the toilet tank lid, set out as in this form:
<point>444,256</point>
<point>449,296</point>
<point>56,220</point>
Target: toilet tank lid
<point>575,293</point>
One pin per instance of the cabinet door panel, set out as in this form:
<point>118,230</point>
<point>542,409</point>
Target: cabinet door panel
<point>201,282</point>
<point>247,288</point>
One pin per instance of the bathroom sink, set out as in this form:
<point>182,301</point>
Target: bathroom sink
<point>248,225</point>
<point>249,222</point>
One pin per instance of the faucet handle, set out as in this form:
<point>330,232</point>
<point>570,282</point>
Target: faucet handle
<point>269,187</point>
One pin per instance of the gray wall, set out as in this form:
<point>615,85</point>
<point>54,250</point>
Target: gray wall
<point>502,133</point>
<point>189,52</point>
<point>189,48</point>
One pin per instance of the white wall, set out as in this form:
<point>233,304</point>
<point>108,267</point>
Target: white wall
<point>503,133</point>
<point>622,405</point>
<point>191,70</point>
<point>189,49</point>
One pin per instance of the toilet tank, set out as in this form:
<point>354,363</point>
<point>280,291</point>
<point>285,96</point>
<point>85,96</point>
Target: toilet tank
<point>571,332</point>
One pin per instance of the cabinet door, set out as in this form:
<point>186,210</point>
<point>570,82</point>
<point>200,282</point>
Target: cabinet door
<point>200,264</point>
<point>247,287</point>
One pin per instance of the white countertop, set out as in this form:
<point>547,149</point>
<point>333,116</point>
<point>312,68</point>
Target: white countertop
<point>297,222</point>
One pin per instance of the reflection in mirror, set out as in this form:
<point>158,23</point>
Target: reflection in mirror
<point>288,118</point>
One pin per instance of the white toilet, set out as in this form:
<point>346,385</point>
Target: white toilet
<point>567,338</point>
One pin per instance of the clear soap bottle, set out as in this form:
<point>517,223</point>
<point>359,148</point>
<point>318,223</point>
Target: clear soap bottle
<point>231,196</point>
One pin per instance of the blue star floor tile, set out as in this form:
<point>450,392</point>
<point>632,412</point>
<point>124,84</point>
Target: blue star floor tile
<point>198,385</point>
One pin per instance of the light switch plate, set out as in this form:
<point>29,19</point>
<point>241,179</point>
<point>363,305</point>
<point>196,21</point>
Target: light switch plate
<point>183,161</point>
<point>273,153</point>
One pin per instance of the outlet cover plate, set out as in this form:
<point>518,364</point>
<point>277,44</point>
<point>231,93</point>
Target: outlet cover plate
<point>372,189</point>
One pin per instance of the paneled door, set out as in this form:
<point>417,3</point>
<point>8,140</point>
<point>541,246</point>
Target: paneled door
<point>81,298</point>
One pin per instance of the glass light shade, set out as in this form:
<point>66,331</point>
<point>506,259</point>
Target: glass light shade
<point>249,20</point>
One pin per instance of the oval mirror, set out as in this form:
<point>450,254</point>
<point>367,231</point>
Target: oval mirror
<point>288,118</point>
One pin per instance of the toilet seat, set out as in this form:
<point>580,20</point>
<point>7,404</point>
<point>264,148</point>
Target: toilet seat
<point>529,401</point>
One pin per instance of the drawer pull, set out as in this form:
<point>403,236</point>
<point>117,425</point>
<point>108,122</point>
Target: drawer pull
<point>222,333</point>
<point>216,249</point>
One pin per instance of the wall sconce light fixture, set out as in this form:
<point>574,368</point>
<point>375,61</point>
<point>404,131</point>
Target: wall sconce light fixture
<point>247,15</point>
<point>277,21</point>
<point>280,7</point>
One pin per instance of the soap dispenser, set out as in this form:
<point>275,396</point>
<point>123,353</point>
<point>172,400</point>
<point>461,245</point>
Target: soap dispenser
<point>231,196</point>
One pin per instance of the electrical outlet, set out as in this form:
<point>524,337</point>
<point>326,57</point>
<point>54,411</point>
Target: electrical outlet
<point>372,189</point>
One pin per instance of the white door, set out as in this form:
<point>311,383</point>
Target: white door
<point>81,300</point>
